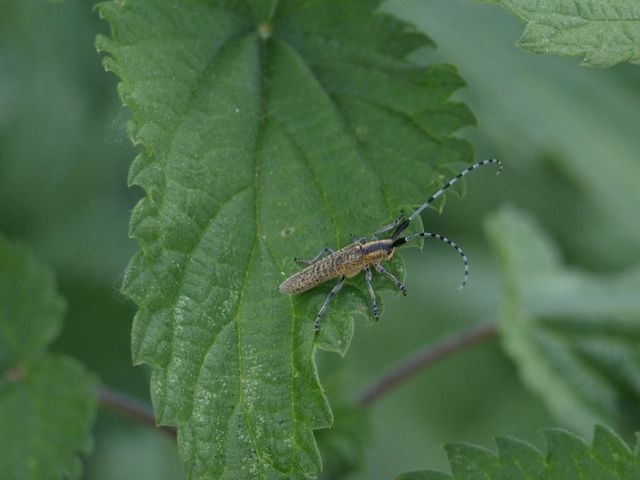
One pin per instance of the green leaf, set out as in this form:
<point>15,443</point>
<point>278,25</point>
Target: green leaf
<point>269,131</point>
<point>605,33</point>
<point>574,336</point>
<point>344,444</point>
<point>30,308</point>
<point>567,456</point>
<point>47,402</point>
<point>46,415</point>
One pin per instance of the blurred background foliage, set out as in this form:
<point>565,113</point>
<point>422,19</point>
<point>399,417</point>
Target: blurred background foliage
<point>566,134</point>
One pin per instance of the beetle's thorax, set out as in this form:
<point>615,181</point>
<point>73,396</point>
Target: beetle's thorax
<point>377,250</point>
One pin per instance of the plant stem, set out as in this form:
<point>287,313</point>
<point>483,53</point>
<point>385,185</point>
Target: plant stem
<point>424,358</point>
<point>130,408</point>
<point>141,413</point>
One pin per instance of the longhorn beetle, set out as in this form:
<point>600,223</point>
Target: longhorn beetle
<point>359,255</point>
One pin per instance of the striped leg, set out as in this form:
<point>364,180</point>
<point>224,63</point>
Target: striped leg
<point>323,252</point>
<point>323,308</point>
<point>372,294</point>
<point>392,277</point>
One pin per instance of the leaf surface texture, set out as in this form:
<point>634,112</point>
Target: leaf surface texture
<point>604,33</point>
<point>269,130</point>
<point>47,401</point>
<point>566,456</point>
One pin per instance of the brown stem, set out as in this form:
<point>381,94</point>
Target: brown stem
<point>425,358</point>
<point>130,408</point>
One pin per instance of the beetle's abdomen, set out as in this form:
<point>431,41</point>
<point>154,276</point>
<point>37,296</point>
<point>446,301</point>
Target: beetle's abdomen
<point>302,281</point>
<point>348,262</point>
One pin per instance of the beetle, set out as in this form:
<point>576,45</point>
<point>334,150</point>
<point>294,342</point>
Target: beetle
<point>362,253</point>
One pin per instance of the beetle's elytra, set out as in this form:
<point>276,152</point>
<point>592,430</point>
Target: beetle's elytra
<point>347,262</point>
<point>361,254</point>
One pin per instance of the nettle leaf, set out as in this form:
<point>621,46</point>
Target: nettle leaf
<point>605,33</point>
<point>567,456</point>
<point>47,402</point>
<point>30,307</point>
<point>270,130</point>
<point>574,336</point>
<point>46,416</point>
<point>343,446</point>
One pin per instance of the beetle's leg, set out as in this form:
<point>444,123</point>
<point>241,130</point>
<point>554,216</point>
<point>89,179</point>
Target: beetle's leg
<point>372,294</point>
<point>324,251</point>
<point>355,239</point>
<point>391,226</point>
<point>392,277</point>
<point>323,308</point>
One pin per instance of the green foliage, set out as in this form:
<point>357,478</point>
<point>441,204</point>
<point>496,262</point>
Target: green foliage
<point>605,33</point>
<point>575,336</point>
<point>63,157</point>
<point>47,401</point>
<point>267,134</point>
<point>343,445</point>
<point>567,457</point>
<point>30,308</point>
<point>63,161</point>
